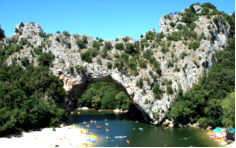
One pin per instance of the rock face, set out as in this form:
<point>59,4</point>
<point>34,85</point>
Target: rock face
<point>197,8</point>
<point>75,82</point>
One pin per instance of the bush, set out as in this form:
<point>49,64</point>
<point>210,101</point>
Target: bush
<point>103,52</point>
<point>80,69</point>
<point>45,59</point>
<point>147,54</point>
<point>179,26</point>
<point>142,64</point>
<point>99,61</point>
<point>139,83</point>
<point>195,62</point>
<point>25,61</point>
<point>170,64</point>
<point>117,55</point>
<point>183,54</point>
<point>96,45</point>
<point>209,5</point>
<point>125,56</point>
<point>130,47</point>
<point>72,70</point>
<point>108,45</point>
<point>86,57</point>
<point>82,43</point>
<point>93,52</point>
<point>109,65</point>
<point>150,35</point>
<point>157,92</point>
<point>194,45</point>
<point>170,90</point>
<point>125,39</point>
<point>65,33</point>
<point>172,24</point>
<point>164,49</point>
<point>23,41</point>
<point>119,46</point>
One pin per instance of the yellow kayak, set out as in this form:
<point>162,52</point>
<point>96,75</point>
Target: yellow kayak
<point>106,123</point>
<point>94,121</point>
<point>87,125</point>
<point>92,137</point>
<point>219,140</point>
<point>91,121</point>
<point>78,112</point>
<point>105,119</point>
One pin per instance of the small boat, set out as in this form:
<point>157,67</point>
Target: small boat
<point>128,142</point>
<point>105,119</point>
<point>91,121</point>
<point>106,123</point>
<point>166,127</point>
<point>94,121</point>
<point>107,130</point>
<point>99,127</point>
<point>87,125</point>
<point>78,112</point>
<point>120,136</point>
<point>92,137</point>
<point>140,128</point>
<point>85,122</point>
<point>100,110</point>
<point>91,140</point>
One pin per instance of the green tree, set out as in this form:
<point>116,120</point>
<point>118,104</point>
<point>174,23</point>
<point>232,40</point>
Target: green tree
<point>228,106</point>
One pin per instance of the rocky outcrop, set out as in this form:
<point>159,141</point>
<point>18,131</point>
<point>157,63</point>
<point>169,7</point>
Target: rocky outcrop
<point>197,8</point>
<point>75,82</point>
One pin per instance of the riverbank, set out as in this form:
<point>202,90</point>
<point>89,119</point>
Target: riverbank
<point>68,136</point>
<point>115,110</point>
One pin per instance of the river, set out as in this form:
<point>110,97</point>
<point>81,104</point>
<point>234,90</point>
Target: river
<point>150,136</point>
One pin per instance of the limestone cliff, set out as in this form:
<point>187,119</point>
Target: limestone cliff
<point>67,57</point>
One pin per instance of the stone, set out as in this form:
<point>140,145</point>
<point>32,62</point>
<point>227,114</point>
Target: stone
<point>197,8</point>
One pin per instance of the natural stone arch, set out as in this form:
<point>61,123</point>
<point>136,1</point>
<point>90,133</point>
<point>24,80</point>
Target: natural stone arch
<point>76,90</point>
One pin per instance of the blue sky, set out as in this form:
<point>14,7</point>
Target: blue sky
<point>107,19</point>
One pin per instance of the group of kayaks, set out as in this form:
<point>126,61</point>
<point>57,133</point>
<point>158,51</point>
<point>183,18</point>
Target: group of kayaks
<point>92,139</point>
<point>120,136</point>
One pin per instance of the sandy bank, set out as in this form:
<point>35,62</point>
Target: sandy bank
<point>64,137</point>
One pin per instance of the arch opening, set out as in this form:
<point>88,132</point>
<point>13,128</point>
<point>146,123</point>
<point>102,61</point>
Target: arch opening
<point>135,111</point>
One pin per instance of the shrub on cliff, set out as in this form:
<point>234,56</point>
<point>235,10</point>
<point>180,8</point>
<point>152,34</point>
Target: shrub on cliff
<point>45,59</point>
<point>86,57</point>
<point>194,45</point>
<point>82,42</point>
<point>119,46</point>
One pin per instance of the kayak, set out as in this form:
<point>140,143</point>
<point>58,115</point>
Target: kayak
<point>92,137</point>
<point>90,140</point>
<point>99,127</point>
<point>107,130</point>
<point>84,122</point>
<point>106,123</point>
<point>140,128</point>
<point>87,125</point>
<point>120,136</point>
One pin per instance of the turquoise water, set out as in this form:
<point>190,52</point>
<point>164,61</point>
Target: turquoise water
<point>151,136</point>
